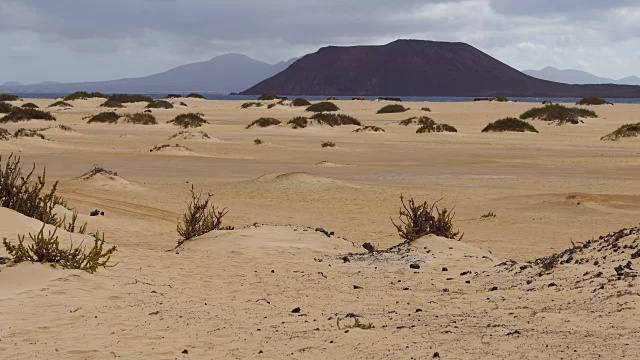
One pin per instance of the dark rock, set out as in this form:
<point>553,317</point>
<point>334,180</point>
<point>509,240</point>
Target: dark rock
<point>436,355</point>
<point>418,310</point>
<point>465,273</point>
<point>445,269</point>
<point>345,259</point>
<point>260,352</point>
<point>185,351</point>
<point>95,212</point>
<point>495,288</point>
<point>356,287</point>
<point>321,230</point>
<point>369,247</point>
<point>635,255</point>
<point>415,266</point>
<point>552,285</point>
<point>296,310</point>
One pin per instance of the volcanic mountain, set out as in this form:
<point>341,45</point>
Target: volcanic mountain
<point>418,68</point>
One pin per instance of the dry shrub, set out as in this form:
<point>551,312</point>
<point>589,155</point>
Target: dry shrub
<point>299,122</point>
<point>264,122</point>
<point>416,221</point>
<point>196,96</point>
<point>593,101</point>
<point>509,124</point>
<point>395,108</point>
<point>30,105</point>
<point>159,104</point>
<point>83,95</point>
<point>250,104</point>
<point>108,117</point>
<point>4,134</point>
<point>189,120</point>
<point>5,108</point>
<point>8,97</point>
<point>369,128</point>
<point>323,107</point>
<point>325,144</point>
<point>258,142</point>
<point>335,119</point>
<point>558,114</point>
<point>60,104</point>
<point>25,114</point>
<point>110,103</point>
<point>30,133</point>
<point>200,217</point>
<point>130,98</point>
<point>140,119</point>
<point>300,102</point>
<point>624,131</point>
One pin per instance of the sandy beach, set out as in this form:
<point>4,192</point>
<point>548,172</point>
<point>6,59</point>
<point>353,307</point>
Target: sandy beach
<point>230,294</point>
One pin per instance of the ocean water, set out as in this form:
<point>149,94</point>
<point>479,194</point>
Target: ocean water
<point>215,96</point>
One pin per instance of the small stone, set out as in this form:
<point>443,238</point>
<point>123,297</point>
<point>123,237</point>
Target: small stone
<point>185,351</point>
<point>356,287</point>
<point>436,355</point>
<point>415,266</point>
<point>346,259</point>
<point>495,288</point>
<point>296,310</point>
<point>273,271</point>
<point>369,247</point>
<point>445,269</point>
<point>418,310</point>
<point>260,352</point>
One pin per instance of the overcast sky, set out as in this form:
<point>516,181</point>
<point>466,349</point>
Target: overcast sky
<point>81,40</point>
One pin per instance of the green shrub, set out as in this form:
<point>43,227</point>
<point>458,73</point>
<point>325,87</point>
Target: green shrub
<point>30,133</point>
<point>190,120</point>
<point>60,104</point>
<point>200,217</point>
<point>196,96</point>
<point>395,108</point>
<point>426,109</point>
<point>325,144</point>
<point>250,104</point>
<point>299,122</point>
<point>108,117</point>
<point>593,101</point>
<point>434,127</point>
<point>407,122</point>
<point>21,193</point>
<point>509,124</point>
<point>140,119</point>
<point>5,108</point>
<point>30,106</point>
<point>8,97</point>
<point>267,97</point>
<point>130,98</point>
<point>4,134</point>
<point>559,114</point>
<point>83,95</point>
<point>370,128</point>
<point>335,119</point>
<point>264,122</point>
<point>322,107</point>
<point>46,249</point>
<point>159,104</point>
<point>624,131</point>
<point>25,114</point>
<point>300,102</point>
<point>416,221</point>
<point>110,103</point>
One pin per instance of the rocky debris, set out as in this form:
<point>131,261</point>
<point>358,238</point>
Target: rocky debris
<point>96,212</point>
<point>369,247</point>
<point>327,233</point>
<point>185,351</point>
<point>345,259</point>
<point>415,266</point>
<point>296,310</point>
<point>356,287</point>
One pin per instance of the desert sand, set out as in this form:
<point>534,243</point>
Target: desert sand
<point>230,294</point>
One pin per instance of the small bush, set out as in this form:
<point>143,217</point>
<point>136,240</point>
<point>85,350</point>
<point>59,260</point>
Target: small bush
<point>428,125</point>
<point>140,119</point>
<point>488,215</point>
<point>299,122</point>
<point>200,217</point>
<point>356,325</point>
<point>267,97</point>
<point>407,122</point>
<point>593,101</point>
<point>190,120</point>
<point>335,119</point>
<point>258,142</point>
<point>186,135</point>
<point>25,114</point>
<point>168,146</point>
<point>65,128</point>
<point>624,131</point>
<point>264,122</point>
<point>183,104</point>
<point>110,103</point>
<point>548,263</point>
<point>108,117</point>
<point>83,95</point>
<point>130,98</point>
<point>390,109</point>
<point>500,99</point>
<point>46,249</point>
<point>196,96</point>
<point>97,170</point>
<point>159,104</point>
<point>250,104</point>
<point>322,107</point>
<point>5,108</point>
<point>426,109</point>
<point>30,106</point>
<point>325,144</point>
<point>416,221</point>
<point>300,102</point>
<point>60,104</point>
<point>559,114</point>
<point>173,96</point>
<point>30,133</point>
<point>4,134</point>
<point>271,106</point>
<point>369,128</point>
<point>8,97</point>
<point>509,124</point>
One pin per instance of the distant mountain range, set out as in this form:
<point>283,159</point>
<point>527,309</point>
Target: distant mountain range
<point>570,76</point>
<point>223,74</point>
<point>418,68</point>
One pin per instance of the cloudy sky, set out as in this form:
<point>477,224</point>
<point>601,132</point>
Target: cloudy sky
<point>81,40</point>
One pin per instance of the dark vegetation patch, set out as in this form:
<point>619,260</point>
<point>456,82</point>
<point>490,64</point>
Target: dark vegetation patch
<point>267,97</point>
<point>264,122</point>
<point>390,99</point>
<point>8,97</point>
<point>250,104</point>
<point>593,101</point>
<point>60,104</point>
<point>437,128</point>
<point>173,96</point>
<point>25,114</point>
<point>495,98</point>
<point>83,95</point>
<point>200,217</point>
<point>108,117</point>
<point>183,104</point>
<point>110,103</point>
<point>130,98</point>
<point>4,134</point>
<point>391,109</point>
<point>159,104</point>
<point>29,133</point>
<point>271,106</point>
<point>326,144</point>
<point>624,131</point>
<point>299,122</point>
<point>418,220</point>
<point>426,109</point>
<point>97,169</point>
<point>322,107</point>
<point>190,120</point>
<point>558,114</point>
<point>168,146</point>
<point>509,124</point>
<point>369,128</point>
<point>409,121</point>
<point>140,119</point>
<point>196,96</point>
<point>30,105</point>
<point>258,142</point>
<point>185,135</point>
<point>300,102</point>
<point>335,119</point>
<point>5,108</point>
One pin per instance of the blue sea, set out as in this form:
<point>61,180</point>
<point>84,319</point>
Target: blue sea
<point>216,96</point>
